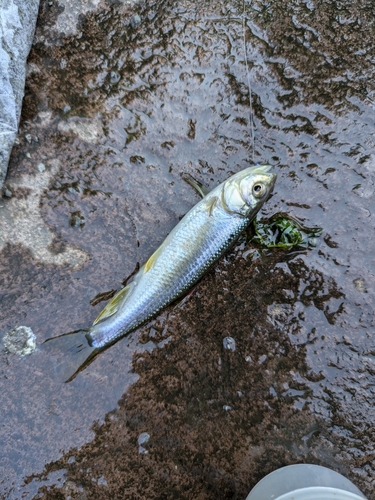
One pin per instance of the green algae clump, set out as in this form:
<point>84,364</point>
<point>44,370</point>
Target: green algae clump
<point>284,231</point>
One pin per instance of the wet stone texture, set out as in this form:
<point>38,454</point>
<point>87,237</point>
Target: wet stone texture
<point>271,360</point>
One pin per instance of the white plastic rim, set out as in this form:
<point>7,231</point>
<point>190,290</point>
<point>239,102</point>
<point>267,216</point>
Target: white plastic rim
<point>280,483</point>
<point>320,493</point>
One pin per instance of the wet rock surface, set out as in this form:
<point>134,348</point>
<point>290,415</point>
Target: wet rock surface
<point>17,25</point>
<point>270,361</point>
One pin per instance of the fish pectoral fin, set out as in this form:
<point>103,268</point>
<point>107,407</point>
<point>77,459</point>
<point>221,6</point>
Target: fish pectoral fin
<point>199,188</point>
<point>210,205</point>
<point>113,305</point>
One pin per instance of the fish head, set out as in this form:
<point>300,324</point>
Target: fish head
<point>244,193</point>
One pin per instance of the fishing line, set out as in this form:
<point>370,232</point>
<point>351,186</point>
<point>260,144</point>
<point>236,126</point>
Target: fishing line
<point>251,114</point>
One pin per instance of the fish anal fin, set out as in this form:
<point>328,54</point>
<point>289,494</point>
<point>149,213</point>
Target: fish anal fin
<point>113,305</point>
<point>102,296</point>
<point>131,275</point>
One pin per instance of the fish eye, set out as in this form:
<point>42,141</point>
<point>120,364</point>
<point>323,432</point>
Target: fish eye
<point>258,190</point>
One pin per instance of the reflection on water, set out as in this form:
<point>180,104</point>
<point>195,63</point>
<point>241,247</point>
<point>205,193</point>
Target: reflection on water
<point>270,361</point>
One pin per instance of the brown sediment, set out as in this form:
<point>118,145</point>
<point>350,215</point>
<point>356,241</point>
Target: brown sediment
<point>218,420</point>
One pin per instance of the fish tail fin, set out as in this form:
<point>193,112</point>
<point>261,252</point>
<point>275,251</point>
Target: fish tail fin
<point>76,350</point>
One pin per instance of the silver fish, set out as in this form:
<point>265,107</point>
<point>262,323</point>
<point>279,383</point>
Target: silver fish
<point>203,235</point>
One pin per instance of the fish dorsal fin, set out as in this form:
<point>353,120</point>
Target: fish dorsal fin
<point>113,305</point>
